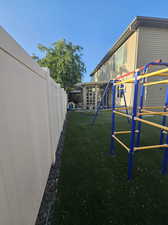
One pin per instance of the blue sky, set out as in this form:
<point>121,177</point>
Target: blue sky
<point>93,24</point>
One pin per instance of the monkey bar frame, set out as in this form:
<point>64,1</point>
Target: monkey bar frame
<point>138,110</point>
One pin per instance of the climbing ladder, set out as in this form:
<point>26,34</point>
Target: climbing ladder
<point>100,105</point>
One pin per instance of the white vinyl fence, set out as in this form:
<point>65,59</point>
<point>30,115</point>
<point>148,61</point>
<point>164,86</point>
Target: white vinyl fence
<point>32,114</point>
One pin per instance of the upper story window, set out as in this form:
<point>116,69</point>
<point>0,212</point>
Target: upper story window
<point>120,58</point>
<point>113,65</point>
<point>93,77</point>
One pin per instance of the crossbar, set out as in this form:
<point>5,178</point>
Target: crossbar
<point>152,123</point>
<point>122,114</point>
<point>152,113</point>
<point>120,142</point>
<point>124,132</point>
<point>122,108</point>
<point>156,82</point>
<point>155,73</point>
<point>163,75</point>
<point>144,110</point>
<point>153,107</point>
<point>124,81</point>
<point>150,147</point>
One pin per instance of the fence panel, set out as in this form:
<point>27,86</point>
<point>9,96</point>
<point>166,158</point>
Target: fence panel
<point>30,127</point>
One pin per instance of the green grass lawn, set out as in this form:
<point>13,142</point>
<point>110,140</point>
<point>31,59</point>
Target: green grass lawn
<point>93,187</point>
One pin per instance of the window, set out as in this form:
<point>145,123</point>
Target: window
<point>90,96</point>
<point>120,91</point>
<point>120,58</point>
<point>114,64</point>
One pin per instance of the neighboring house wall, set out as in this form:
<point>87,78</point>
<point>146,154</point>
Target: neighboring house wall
<point>153,45</point>
<point>145,45</point>
<point>32,112</point>
<point>130,65</point>
<point>122,61</point>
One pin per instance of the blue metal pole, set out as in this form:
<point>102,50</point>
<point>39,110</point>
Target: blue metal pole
<point>164,118</point>
<point>113,89</point>
<point>101,102</point>
<point>165,157</point>
<point>161,132</point>
<point>126,108</point>
<point>155,64</point>
<point>140,108</point>
<point>142,92</point>
<point>134,113</point>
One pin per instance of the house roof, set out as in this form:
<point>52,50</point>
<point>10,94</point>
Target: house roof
<point>91,83</point>
<point>137,22</point>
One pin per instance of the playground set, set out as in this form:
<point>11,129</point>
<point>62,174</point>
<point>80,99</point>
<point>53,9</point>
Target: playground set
<point>138,111</point>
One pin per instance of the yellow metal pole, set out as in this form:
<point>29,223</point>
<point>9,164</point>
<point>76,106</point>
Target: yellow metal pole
<point>125,81</point>
<point>150,147</point>
<point>153,73</point>
<point>163,75</point>
<point>152,113</point>
<point>156,82</point>
<point>156,73</point>
<point>120,142</point>
<point>123,114</point>
<point>124,132</point>
<point>153,107</point>
<point>152,124</point>
<point>122,108</point>
<point>144,110</point>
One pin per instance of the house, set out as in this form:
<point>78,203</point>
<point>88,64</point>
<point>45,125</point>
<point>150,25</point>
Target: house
<point>144,40</point>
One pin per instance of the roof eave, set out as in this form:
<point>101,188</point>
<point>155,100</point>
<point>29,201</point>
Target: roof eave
<point>138,21</point>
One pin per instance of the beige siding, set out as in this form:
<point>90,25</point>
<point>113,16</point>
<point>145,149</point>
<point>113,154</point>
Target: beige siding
<point>132,49</point>
<point>106,72</point>
<point>131,65</point>
<point>146,44</point>
<point>153,45</point>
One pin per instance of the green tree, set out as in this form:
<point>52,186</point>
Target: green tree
<point>64,61</point>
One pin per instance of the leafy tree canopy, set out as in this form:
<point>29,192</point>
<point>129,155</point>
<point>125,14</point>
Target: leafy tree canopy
<point>64,61</point>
